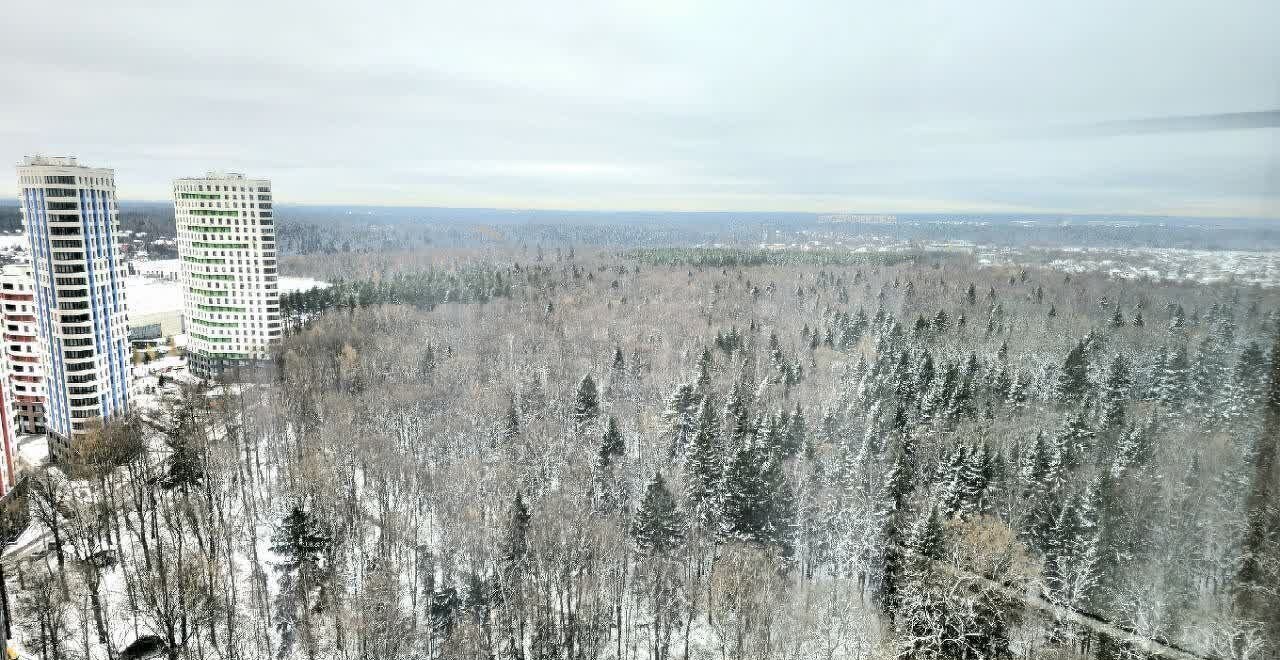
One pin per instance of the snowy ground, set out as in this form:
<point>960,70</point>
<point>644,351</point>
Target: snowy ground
<point>146,379</point>
<point>161,267</point>
<point>33,450</point>
<point>155,290</point>
<point>12,241</point>
<point>13,246</point>
<point>152,296</point>
<point>291,284</point>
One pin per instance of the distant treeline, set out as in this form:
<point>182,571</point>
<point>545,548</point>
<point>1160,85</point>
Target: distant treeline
<point>10,218</point>
<point>424,289</point>
<point>153,218</point>
<point>736,257</point>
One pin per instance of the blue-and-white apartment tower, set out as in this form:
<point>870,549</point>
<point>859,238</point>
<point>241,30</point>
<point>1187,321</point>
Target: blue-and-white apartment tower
<point>69,214</point>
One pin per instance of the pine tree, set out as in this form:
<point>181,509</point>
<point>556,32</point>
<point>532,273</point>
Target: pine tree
<point>1208,374</point>
<point>1177,320</point>
<point>927,541</point>
<point>1173,378</point>
<point>658,527</point>
<point>941,322</point>
<point>1116,392</point>
<point>975,480</point>
<point>302,541</point>
<point>1248,384</point>
<point>891,515</point>
<point>742,493</point>
<point>1128,452</point>
<point>771,435</point>
<point>951,475</point>
<point>703,467</point>
<point>1074,557</point>
<point>1073,380</point>
<point>1058,546</point>
<point>511,424</point>
<point>516,537</point>
<point>612,446</point>
<point>757,502</point>
<point>680,418</point>
<point>797,434</point>
<point>1075,439</point>
<point>586,403</point>
<point>1042,479</point>
<point>738,413</point>
<point>705,363</point>
<point>1260,570</point>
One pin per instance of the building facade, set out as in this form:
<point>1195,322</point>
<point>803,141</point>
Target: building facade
<point>230,289</point>
<point>24,381</point>
<point>8,436</point>
<point>69,214</point>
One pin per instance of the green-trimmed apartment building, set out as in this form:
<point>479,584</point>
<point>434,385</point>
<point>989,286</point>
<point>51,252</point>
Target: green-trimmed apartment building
<point>230,292</point>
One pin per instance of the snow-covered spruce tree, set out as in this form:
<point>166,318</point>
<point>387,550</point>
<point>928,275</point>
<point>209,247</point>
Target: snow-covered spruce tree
<point>658,529</point>
<point>892,519</point>
<point>586,404</point>
<point>1172,381</point>
<point>609,488</point>
<point>511,422</point>
<point>679,419</point>
<point>1257,595</point>
<point>302,543</point>
<point>757,503</point>
<point>704,466</point>
<point>1075,439</point>
<point>1208,375</point>
<point>738,416</point>
<point>658,526</point>
<point>1116,391</point>
<point>612,446</point>
<point>1073,378</point>
<point>951,475</point>
<point>1243,398</point>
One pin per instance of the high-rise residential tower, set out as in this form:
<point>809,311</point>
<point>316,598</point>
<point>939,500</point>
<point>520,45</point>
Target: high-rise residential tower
<point>22,353</point>
<point>230,294</point>
<point>69,215</point>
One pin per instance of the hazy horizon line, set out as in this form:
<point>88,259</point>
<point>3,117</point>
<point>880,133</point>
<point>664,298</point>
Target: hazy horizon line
<point>1001,212</point>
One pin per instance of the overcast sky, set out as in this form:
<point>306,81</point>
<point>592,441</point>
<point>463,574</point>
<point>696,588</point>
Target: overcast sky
<point>663,104</point>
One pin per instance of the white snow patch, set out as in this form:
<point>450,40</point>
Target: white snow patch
<point>149,295</point>
<point>292,284</point>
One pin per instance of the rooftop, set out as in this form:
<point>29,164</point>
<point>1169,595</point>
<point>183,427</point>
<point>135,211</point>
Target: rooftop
<point>52,161</point>
<point>214,175</point>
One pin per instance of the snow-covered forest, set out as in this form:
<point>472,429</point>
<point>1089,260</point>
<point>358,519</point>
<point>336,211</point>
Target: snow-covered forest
<point>649,455</point>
